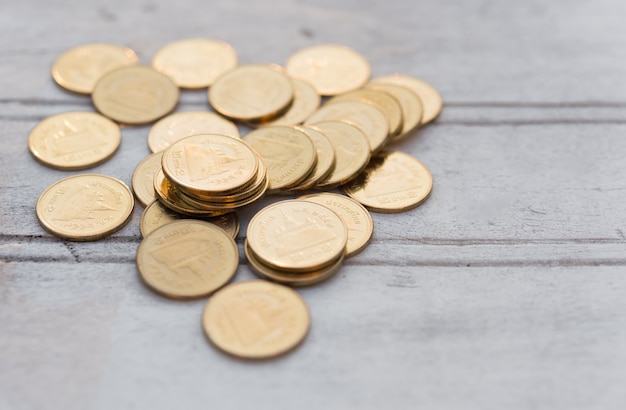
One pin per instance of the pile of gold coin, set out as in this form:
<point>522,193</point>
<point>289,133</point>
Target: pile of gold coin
<point>202,169</point>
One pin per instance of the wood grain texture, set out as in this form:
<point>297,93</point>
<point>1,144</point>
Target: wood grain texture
<point>505,289</point>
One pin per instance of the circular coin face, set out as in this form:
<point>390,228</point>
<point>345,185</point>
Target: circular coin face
<point>79,68</point>
<point>392,182</point>
<point>253,92</point>
<point>179,125</point>
<point>143,178</point>
<point>412,109</point>
<point>135,95</point>
<point>187,259</point>
<point>74,140</point>
<point>297,236</point>
<point>331,68</point>
<point>256,319</point>
<point>85,207</point>
<point>195,63</point>
<point>357,219</point>
<point>305,101</point>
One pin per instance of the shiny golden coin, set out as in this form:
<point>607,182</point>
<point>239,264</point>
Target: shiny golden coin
<point>195,63</point>
<point>210,163</point>
<point>325,157</point>
<point>305,102</point>
<point>392,182</point>
<point>332,69</point>
<point>187,259</point>
<point>352,151</point>
<point>288,153</point>
<point>177,126</point>
<point>256,319</point>
<point>143,178</point>
<point>297,236</point>
<point>171,198</point>
<point>356,218</point>
<point>156,215</point>
<point>382,100</point>
<point>369,119</point>
<point>74,140</point>
<point>85,207</point>
<point>79,69</point>
<point>430,97</point>
<point>135,95</point>
<point>412,109</point>
<point>291,279</point>
<point>253,92</point>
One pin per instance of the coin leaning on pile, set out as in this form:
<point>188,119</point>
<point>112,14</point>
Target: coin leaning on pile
<point>202,170</point>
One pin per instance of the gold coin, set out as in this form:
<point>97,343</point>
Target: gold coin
<point>74,140</point>
<point>412,109</point>
<point>187,259</point>
<point>430,97</point>
<point>297,236</point>
<point>85,207</point>
<point>332,69</point>
<point>367,117</point>
<point>143,178</point>
<point>79,69</point>
<point>357,219</point>
<point>170,197</point>
<point>382,100</point>
<point>352,151</point>
<point>253,92</point>
<point>325,157</point>
<point>177,126</point>
<point>305,102</point>
<point>392,182</point>
<point>256,319</point>
<point>135,95</point>
<point>156,215</point>
<point>210,163</point>
<point>288,153</point>
<point>195,63</point>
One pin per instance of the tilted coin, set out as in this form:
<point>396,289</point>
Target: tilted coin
<point>135,95</point>
<point>297,236</point>
<point>352,151</point>
<point>79,69</point>
<point>325,157</point>
<point>74,140</point>
<point>367,117</point>
<point>392,182</point>
<point>430,97</point>
<point>288,153</point>
<point>357,219</point>
<point>196,62</point>
<point>170,197</point>
<point>143,178</point>
<point>412,108</point>
<point>252,92</point>
<point>332,69</point>
<point>187,259</point>
<point>179,125</point>
<point>85,207</point>
<point>305,102</point>
<point>256,319</point>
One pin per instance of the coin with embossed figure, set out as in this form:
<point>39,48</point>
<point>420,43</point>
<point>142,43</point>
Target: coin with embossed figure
<point>74,140</point>
<point>135,95</point>
<point>187,259</point>
<point>79,69</point>
<point>256,319</point>
<point>252,92</point>
<point>305,102</point>
<point>177,126</point>
<point>412,108</point>
<point>325,157</point>
<point>430,97</point>
<point>332,69</point>
<point>297,236</point>
<point>143,178</point>
<point>85,207</point>
<point>196,62</point>
<point>357,219</point>
<point>392,182</point>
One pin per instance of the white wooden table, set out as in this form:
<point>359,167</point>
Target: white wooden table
<point>505,290</point>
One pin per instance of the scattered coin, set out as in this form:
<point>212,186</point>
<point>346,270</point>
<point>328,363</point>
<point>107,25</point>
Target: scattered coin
<point>256,319</point>
<point>430,97</point>
<point>325,158</point>
<point>412,109</point>
<point>74,140</point>
<point>85,207</point>
<point>305,102</point>
<point>143,178</point>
